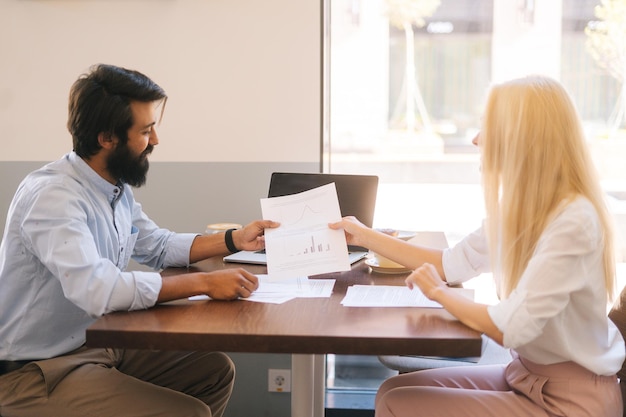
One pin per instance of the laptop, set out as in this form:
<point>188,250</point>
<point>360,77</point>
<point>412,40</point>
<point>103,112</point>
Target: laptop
<point>356,195</point>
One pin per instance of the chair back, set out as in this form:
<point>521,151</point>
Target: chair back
<point>618,316</point>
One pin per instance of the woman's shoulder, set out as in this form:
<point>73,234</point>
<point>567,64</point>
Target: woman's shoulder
<point>578,218</point>
<point>577,208</point>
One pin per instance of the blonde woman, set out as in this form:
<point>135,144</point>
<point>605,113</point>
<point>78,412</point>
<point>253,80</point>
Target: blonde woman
<point>548,241</point>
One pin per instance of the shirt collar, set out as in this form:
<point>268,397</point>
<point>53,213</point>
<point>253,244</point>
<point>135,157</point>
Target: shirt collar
<point>113,192</point>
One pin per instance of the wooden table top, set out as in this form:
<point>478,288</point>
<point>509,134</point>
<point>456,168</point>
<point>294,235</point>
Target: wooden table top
<point>301,325</point>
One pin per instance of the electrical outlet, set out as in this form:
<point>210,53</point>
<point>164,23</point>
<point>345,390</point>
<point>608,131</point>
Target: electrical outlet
<point>279,380</point>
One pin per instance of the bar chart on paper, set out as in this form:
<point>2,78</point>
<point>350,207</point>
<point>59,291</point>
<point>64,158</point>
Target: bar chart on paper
<point>316,247</point>
<point>304,244</point>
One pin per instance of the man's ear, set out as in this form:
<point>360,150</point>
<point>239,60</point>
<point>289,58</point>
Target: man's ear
<point>106,140</point>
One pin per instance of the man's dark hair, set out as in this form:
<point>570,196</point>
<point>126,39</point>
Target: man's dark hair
<point>100,102</point>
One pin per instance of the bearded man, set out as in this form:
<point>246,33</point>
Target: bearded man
<point>71,229</point>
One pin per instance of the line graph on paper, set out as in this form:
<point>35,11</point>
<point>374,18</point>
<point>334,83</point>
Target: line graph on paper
<point>304,225</point>
<point>304,242</point>
<point>302,217</point>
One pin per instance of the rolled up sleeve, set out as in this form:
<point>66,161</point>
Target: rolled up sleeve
<point>178,248</point>
<point>467,259</point>
<point>512,313</point>
<point>135,290</point>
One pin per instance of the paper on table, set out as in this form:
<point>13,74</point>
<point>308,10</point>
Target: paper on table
<point>301,287</point>
<point>277,292</point>
<point>391,296</point>
<point>303,244</point>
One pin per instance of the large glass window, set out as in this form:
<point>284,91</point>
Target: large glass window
<point>405,95</point>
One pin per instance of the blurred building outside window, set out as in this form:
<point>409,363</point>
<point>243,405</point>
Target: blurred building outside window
<point>406,82</point>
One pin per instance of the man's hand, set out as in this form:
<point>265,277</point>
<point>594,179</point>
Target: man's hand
<point>226,284</point>
<point>251,237</point>
<point>230,284</point>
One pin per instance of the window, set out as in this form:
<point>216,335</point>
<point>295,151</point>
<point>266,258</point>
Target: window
<point>404,101</point>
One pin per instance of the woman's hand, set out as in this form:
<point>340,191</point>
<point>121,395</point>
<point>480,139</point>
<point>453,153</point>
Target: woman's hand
<point>472,314</point>
<point>354,229</point>
<point>428,280</point>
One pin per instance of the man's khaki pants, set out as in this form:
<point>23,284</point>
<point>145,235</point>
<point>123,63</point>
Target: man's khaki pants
<point>117,382</point>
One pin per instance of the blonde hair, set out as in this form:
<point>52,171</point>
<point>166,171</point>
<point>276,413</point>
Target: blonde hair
<point>534,157</point>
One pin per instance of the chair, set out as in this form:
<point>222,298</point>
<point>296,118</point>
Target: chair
<point>492,353</point>
<point>618,316</point>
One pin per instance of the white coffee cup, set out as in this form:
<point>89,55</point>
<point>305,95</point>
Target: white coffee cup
<point>385,262</point>
<point>220,227</point>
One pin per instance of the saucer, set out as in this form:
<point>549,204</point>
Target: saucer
<point>373,263</point>
<point>401,234</point>
<point>406,234</point>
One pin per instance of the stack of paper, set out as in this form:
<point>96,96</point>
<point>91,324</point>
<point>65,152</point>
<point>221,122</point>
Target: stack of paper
<point>278,291</point>
<point>391,296</point>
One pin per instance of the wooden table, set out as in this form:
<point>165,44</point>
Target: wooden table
<point>307,328</point>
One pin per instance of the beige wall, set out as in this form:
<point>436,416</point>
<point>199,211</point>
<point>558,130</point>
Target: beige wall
<point>243,76</point>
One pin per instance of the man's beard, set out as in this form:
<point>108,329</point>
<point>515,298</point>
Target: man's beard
<point>128,168</point>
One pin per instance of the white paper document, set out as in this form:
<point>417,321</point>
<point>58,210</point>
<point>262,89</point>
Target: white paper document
<point>277,292</point>
<point>303,244</point>
<point>390,296</point>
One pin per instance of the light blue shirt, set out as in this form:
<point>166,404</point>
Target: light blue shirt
<point>67,242</point>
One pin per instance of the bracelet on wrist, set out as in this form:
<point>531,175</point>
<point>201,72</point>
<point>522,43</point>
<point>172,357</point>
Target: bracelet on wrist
<point>228,239</point>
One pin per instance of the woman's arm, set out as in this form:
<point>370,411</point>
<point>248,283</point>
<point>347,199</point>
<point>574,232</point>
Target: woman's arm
<point>472,314</point>
<point>409,255</point>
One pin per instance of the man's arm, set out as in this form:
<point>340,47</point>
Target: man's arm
<point>227,284</point>
<point>251,237</point>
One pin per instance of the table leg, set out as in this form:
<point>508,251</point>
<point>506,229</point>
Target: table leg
<point>308,384</point>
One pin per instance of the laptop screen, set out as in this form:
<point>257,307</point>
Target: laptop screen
<point>356,193</point>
